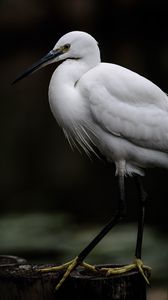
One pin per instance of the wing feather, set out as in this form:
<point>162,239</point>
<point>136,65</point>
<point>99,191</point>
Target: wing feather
<point>128,105</point>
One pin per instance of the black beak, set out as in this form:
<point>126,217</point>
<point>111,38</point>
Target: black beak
<point>39,64</point>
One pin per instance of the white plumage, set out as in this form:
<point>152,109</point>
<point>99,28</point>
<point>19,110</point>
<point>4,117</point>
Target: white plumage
<point>120,112</point>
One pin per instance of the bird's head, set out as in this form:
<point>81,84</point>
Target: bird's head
<point>73,45</point>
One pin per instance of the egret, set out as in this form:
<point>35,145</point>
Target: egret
<point>111,108</point>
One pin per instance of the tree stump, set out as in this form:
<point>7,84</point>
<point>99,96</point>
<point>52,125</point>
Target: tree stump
<point>22,281</point>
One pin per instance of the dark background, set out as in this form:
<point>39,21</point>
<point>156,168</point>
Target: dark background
<point>38,171</point>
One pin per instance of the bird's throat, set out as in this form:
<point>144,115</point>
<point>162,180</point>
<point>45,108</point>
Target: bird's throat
<point>64,97</point>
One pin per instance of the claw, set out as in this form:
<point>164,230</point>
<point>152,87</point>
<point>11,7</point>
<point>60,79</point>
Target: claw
<point>71,266</point>
<point>57,268</point>
<point>89,267</point>
<point>141,267</point>
<point>68,267</point>
<point>137,264</point>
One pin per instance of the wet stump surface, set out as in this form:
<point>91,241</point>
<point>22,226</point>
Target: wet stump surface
<point>22,281</point>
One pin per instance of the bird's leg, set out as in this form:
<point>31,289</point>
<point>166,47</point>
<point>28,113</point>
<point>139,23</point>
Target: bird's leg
<point>79,260</point>
<point>142,201</point>
<point>120,213</point>
<point>141,216</point>
<point>137,264</point>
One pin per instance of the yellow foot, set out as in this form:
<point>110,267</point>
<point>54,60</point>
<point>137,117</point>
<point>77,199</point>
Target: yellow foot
<point>68,267</point>
<point>137,264</point>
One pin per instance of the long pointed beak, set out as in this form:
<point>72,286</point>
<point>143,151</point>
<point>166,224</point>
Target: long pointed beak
<point>39,64</point>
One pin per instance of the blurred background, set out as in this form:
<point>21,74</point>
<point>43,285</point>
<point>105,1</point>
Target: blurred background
<point>54,200</point>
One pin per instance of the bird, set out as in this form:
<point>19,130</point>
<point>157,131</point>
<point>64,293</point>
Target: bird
<point>113,109</point>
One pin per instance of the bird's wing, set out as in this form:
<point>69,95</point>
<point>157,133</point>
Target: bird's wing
<point>128,105</point>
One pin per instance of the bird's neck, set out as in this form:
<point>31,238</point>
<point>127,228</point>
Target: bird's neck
<point>72,70</point>
<point>64,96</point>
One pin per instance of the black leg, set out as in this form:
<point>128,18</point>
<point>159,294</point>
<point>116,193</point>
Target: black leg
<point>141,216</point>
<point>120,213</point>
<point>138,264</point>
<point>82,255</point>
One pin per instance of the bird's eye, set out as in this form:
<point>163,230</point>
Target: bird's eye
<point>66,47</point>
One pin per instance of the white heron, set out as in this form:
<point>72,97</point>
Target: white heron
<point>112,108</point>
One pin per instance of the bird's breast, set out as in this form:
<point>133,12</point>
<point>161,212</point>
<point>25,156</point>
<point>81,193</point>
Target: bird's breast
<point>65,101</point>
<point>72,113</point>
